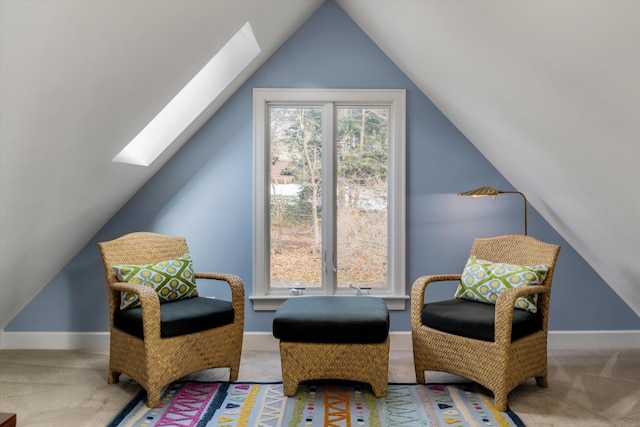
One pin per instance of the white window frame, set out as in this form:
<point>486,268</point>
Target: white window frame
<point>395,295</point>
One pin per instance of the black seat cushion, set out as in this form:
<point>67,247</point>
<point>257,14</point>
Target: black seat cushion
<point>332,319</point>
<point>179,317</point>
<point>473,319</point>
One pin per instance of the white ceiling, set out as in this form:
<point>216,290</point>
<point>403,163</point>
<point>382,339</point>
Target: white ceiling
<point>557,82</point>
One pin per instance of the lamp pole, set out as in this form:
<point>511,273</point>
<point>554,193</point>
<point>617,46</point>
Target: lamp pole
<point>490,191</point>
<point>525,205</point>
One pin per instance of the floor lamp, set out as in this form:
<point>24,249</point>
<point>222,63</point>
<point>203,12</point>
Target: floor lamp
<point>490,191</point>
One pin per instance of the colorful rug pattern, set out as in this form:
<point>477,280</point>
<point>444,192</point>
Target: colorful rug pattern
<point>196,404</point>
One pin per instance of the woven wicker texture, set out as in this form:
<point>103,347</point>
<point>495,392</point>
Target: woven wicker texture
<point>499,365</point>
<point>153,361</point>
<point>366,363</point>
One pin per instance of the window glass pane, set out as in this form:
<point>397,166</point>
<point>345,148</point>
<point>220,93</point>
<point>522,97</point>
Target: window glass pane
<point>296,203</point>
<point>362,165</point>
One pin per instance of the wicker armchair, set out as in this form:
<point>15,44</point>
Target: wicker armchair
<point>501,361</point>
<point>152,356</point>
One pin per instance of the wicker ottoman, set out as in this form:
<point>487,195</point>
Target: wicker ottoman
<point>333,337</point>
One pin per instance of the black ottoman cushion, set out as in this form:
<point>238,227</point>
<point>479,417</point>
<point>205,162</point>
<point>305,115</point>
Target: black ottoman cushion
<point>473,319</point>
<point>332,319</point>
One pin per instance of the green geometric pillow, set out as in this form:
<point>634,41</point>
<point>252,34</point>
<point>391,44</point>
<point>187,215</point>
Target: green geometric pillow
<point>484,280</point>
<point>173,280</point>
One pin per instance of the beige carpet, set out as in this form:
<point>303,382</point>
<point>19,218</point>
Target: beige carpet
<point>69,388</point>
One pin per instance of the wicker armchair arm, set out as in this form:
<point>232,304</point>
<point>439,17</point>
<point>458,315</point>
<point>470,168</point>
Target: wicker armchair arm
<point>418,290</point>
<point>505,305</point>
<point>150,303</point>
<point>227,277</point>
<point>237,290</point>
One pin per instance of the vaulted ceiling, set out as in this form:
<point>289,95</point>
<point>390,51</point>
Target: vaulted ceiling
<point>549,92</point>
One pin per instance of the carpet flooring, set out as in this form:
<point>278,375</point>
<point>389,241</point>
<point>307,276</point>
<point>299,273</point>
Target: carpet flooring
<point>587,388</point>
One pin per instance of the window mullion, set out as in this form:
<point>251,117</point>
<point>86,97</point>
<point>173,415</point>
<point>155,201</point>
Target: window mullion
<point>329,269</point>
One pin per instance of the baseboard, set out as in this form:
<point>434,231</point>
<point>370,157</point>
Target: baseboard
<point>54,340</point>
<point>254,341</point>
<point>593,339</point>
<point>257,341</point>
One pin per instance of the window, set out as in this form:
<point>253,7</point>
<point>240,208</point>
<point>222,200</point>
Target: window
<point>329,208</point>
<point>192,100</point>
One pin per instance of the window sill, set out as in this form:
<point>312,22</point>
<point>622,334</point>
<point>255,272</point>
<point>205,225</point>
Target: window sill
<point>272,302</point>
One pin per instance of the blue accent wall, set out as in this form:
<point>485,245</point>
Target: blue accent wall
<point>205,194</point>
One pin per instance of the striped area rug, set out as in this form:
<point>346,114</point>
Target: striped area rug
<point>222,404</point>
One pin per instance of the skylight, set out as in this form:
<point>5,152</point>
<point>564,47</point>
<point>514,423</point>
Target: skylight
<point>189,103</point>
